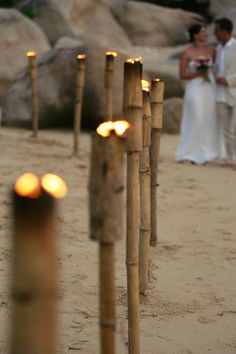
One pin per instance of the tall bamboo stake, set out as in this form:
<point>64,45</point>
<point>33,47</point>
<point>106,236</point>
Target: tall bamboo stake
<point>109,73</point>
<point>32,56</point>
<point>80,78</point>
<point>106,223</point>
<point>34,284</point>
<point>133,114</point>
<point>145,196</point>
<point>157,93</point>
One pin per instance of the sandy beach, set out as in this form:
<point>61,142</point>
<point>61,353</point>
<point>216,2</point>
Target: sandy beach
<point>191,302</point>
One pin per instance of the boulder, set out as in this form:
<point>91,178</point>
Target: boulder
<point>67,42</point>
<point>90,21</point>
<point>163,63</point>
<point>154,26</point>
<point>56,90</point>
<point>218,7</point>
<point>172,115</point>
<point>18,35</point>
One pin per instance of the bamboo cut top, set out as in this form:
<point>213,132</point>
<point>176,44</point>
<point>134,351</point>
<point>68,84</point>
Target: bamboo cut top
<point>157,91</point>
<point>133,104</point>
<point>107,188</point>
<point>81,58</point>
<point>157,97</point>
<point>132,85</point>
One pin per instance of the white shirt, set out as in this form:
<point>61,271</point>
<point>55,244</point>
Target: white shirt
<point>220,70</point>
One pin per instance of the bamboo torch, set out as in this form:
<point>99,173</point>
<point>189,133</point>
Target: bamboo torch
<point>80,79</point>
<point>34,284</point>
<point>157,93</point>
<point>106,224</point>
<point>145,192</point>
<point>109,73</point>
<point>32,56</point>
<point>132,105</point>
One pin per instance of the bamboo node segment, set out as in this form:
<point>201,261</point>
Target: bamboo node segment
<point>131,263</point>
<point>144,170</point>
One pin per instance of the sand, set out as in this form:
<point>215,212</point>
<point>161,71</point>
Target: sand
<point>190,307</point>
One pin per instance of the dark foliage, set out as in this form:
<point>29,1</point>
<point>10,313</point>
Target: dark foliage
<point>200,7</point>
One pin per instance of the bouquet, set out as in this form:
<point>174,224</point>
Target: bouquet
<point>203,64</point>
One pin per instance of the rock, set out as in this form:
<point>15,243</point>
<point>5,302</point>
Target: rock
<point>172,115</point>
<point>67,42</point>
<point>154,26</point>
<point>56,86</point>
<point>18,35</point>
<point>163,63</point>
<point>218,7</point>
<point>90,21</point>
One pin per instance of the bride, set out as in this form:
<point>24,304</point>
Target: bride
<point>199,139</point>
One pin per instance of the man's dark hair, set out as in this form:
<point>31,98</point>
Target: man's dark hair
<point>225,24</point>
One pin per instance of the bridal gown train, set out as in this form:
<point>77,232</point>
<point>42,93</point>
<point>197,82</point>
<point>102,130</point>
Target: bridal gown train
<point>199,139</point>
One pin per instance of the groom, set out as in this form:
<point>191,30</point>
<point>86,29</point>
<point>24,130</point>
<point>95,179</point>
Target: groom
<point>225,72</point>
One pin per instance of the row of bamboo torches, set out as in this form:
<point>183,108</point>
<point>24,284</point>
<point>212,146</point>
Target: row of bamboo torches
<point>34,279</point>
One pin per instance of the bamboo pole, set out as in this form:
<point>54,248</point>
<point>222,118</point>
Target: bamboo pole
<point>109,73</point>
<point>80,79</point>
<point>157,93</point>
<point>145,196</point>
<point>106,224</point>
<point>32,57</point>
<point>132,105</point>
<point>34,283</point>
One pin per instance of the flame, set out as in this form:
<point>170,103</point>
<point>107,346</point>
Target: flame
<point>81,56</point>
<point>134,60</point>
<point>146,85</point>
<point>28,185</point>
<point>119,127</point>
<point>157,79</point>
<point>31,54</point>
<point>114,54</point>
<point>105,129</point>
<point>54,185</point>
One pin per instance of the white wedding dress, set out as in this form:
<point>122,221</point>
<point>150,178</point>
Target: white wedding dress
<point>199,139</point>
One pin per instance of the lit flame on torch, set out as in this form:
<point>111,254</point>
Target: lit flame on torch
<point>54,185</point>
<point>81,56</point>
<point>28,185</point>
<point>114,54</point>
<point>31,54</point>
<point>146,85</point>
<point>119,127</point>
<point>134,60</point>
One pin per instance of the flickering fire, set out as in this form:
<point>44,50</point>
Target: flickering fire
<point>146,85</point>
<point>54,185</point>
<point>81,56</point>
<point>31,54</point>
<point>119,127</point>
<point>157,79</point>
<point>28,185</point>
<point>114,54</point>
<point>134,60</point>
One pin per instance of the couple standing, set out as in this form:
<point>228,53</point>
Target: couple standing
<point>208,131</point>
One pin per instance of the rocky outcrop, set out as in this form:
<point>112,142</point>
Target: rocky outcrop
<point>172,115</point>
<point>154,26</point>
<point>56,87</point>
<point>17,36</point>
<point>163,63</point>
<point>90,21</point>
